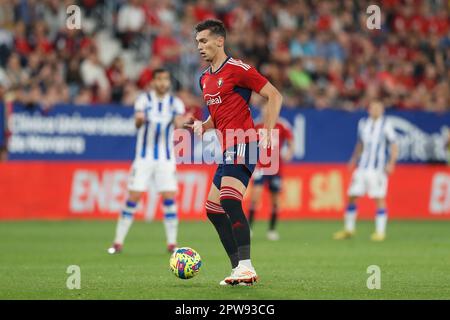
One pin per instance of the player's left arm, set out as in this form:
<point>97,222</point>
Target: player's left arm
<point>249,77</point>
<point>273,105</point>
<point>390,166</point>
<point>393,152</point>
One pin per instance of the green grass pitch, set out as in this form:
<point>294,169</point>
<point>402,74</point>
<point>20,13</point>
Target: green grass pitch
<point>305,264</point>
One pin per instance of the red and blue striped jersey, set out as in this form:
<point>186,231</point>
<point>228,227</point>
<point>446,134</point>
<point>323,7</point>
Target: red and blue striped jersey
<point>227,93</point>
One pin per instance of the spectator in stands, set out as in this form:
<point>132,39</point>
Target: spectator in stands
<point>21,41</point>
<point>166,47</point>
<point>39,38</point>
<point>146,74</point>
<point>130,94</point>
<point>130,22</point>
<point>16,75</point>
<point>317,53</point>
<point>6,45</point>
<point>84,97</point>
<point>94,76</point>
<point>117,79</point>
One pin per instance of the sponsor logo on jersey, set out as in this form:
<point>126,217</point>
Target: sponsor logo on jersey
<point>213,99</point>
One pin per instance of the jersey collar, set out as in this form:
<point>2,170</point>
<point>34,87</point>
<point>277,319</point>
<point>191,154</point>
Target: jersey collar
<point>156,98</point>
<point>221,66</point>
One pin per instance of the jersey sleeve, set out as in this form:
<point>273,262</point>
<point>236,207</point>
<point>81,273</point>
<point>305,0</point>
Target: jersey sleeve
<point>179,107</point>
<point>139,104</point>
<point>249,77</point>
<point>390,132</point>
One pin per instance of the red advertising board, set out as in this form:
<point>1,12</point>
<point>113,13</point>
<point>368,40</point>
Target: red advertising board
<point>62,190</point>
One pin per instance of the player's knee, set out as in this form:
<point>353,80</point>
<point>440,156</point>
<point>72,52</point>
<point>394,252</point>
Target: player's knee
<point>352,200</point>
<point>216,214</point>
<point>381,203</point>
<point>231,205</point>
<point>129,209</point>
<point>134,196</point>
<point>231,201</point>
<point>213,208</point>
<point>170,209</point>
<point>168,195</point>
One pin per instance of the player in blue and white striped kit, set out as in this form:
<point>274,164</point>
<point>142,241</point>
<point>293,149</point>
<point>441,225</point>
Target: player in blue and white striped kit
<point>156,114</point>
<point>376,152</point>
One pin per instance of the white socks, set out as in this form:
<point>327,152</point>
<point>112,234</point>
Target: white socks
<point>125,221</point>
<point>381,221</point>
<point>350,218</point>
<point>170,220</point>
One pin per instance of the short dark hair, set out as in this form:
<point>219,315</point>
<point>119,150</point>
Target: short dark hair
<point>214,26</point>
<point>160,70</point>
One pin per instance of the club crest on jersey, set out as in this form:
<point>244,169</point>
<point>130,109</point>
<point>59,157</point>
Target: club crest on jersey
<point>220,82</point>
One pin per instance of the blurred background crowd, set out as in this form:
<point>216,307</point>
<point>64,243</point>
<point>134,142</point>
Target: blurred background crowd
<point>318,53</point>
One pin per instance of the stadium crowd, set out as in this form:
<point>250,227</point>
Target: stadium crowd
<point>318,53</point>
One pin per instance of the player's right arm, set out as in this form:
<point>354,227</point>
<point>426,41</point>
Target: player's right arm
<point>393,154</point>
<point>358,147</point>
<point>200,126</point>
<point>139,111</point>
<point>356,154</point>
<point>249,77</point>
<point>139,119</point>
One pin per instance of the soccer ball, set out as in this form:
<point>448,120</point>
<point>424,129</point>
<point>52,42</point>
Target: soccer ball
<point>185,263</point>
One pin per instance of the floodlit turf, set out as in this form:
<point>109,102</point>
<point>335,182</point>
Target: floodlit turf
<point>305,264</point>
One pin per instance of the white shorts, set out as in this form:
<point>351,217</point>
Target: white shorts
<point>370,182</point>
<point>161,174</point>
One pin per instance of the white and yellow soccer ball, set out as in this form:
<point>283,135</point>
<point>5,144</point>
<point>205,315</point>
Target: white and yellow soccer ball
<point>185,263</point>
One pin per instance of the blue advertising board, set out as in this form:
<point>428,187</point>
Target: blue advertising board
<point>107,133</point>
<point>72,133</point>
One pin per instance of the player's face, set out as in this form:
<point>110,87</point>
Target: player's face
<point>161,82</point>
<point>208,44</point>
<point>376,109</point>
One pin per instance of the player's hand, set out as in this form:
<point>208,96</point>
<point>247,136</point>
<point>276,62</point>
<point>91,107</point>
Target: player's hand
<point>189,121</point>
<point>265,138</point>
<point>198,127</point>
<point>389,169</point>
<point>140,119</point>
<point>195,125</point>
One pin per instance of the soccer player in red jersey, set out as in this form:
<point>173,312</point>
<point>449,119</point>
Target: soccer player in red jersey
<point>273,181</point>
<point>226,87</point>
